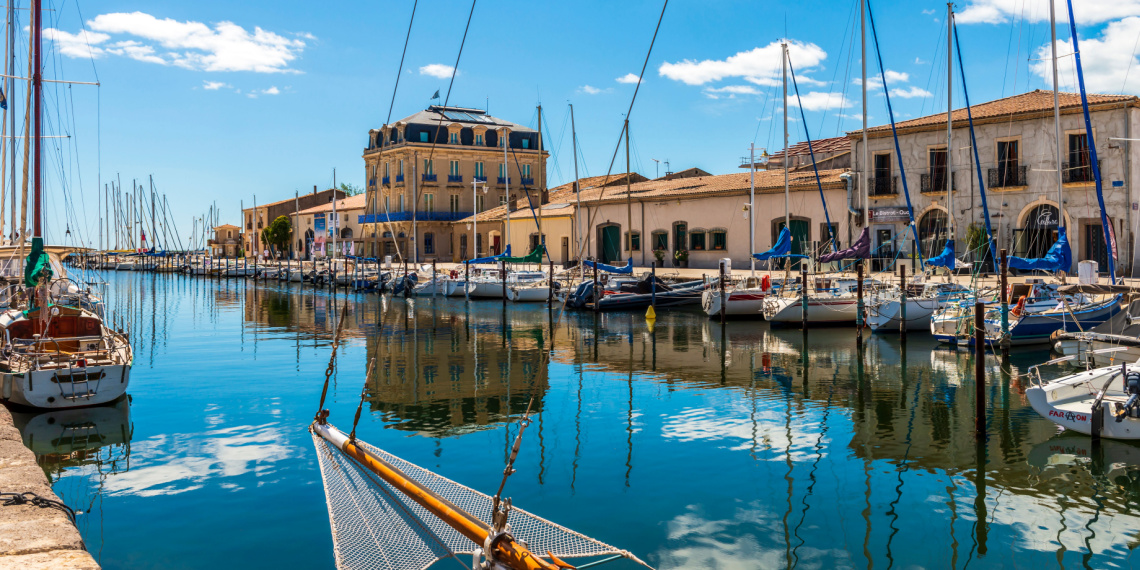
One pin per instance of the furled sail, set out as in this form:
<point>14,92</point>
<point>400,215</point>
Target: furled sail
<point>1058,258</point>
<point>861,249</point>
<point>627,268</point>
<point>493,258</point>
<point>783,247</point>
<point>946,258</point>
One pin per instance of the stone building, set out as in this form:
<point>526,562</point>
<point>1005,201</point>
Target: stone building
<point>1016,154</point>
<point>256,218</point>
<point>314,228</point>
<point>441,165</point>
<point>226,242</point>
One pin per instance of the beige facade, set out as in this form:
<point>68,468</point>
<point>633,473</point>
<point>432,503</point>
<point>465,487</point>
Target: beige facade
<point>441,165</point>
<point>226,242</point>
<point>1017,156</point>
<point>256,218</point>
<point>314,229</point>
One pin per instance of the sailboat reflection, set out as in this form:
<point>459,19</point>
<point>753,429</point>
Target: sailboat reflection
<point>65,439</point>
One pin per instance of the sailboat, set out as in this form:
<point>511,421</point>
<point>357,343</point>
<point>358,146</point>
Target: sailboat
<point>57,353</point>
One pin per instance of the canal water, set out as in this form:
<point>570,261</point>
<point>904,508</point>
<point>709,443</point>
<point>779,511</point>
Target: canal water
<point>690,445</point>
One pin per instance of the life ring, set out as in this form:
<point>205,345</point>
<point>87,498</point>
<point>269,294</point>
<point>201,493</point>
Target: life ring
<point>1017,310</point>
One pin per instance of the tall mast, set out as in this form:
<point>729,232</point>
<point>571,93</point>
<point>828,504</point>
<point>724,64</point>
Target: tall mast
<point>1057,119</point>
<point>37,133</point>
<point>541,238</point>
<point>864,180</point>
<point>949,119</point>
<point>784,63</point>
<point>628,196</point>
<point>752,206</point>
<point>153,227</point>
<point>11,106</point>
<point>577,190</point>
<point>506,187</point>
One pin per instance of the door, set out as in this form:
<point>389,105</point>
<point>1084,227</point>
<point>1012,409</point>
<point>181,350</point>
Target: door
<point>801,233</point>
<point>1094,246</point>
<point>884,248</point>
<point>565,249</point>
<point>495,245</point>
<point>610,241</point>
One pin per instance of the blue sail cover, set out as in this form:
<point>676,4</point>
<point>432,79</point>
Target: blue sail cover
<point>861,249</point>
<point>627,269</point>
<point>493,258</point>
<point>783,247</point>
<point>1058,258</point>
<point>945,259</point>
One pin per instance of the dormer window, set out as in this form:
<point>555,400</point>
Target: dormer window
<point>454,138</point>
<point>479,140</point>
<point>423,136</point>
<point>526,143</point>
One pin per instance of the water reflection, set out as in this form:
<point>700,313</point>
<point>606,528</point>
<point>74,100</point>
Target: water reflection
<point>728,447</point>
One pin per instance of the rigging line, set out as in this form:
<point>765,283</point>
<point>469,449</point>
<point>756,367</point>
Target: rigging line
<point>814,165</point>
<point>636,89</point>
<point>451,83</point>
<point>836,72</point>
<point>846,84</point>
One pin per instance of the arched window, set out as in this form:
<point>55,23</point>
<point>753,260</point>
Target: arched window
<point>1039,232</point>
<point>933,231</point>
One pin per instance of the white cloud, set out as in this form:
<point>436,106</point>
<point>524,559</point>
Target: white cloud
<point>920,61</point>
<point>928,12</point>
<point>819,101</point>
<point>591,90</point>
<point>82,45</point>
<point>437,70</point>
<point>760,66</point>
<point>628,78</point>
<point>1106,60</point>
<point>876,81</point>
<point>272,91</point>
<point>213,85</point>
<point>1087,12</point>
<point>910,92</point>
<point>192,45</point>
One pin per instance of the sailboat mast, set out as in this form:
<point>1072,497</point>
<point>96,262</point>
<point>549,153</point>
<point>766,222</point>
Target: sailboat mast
<point>37,132</point>
<point>577,189</point>
<point>784,63</point>
<point>12,105</point>
<point>752,207</point>
<point>950,119</point>
<point>628,196</point>
<point>153,227</point>
<point>541,237</point>
<point>1057,119</point>
<point>864,180</point>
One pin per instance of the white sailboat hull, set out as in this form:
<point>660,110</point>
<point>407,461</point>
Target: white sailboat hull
<point>789,310</point>
<point>741,302</point>
<point>1068,402</point>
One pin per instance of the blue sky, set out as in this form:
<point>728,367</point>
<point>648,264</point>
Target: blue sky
<point>222,101</point>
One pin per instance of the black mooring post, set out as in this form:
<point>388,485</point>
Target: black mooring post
<point>723,299</point>
<point>597,290</point>
<point>1004,308</point>
<point>653,285</point>
<point>859,303</point>
<point>979,369</point>
<point>804,296</point>
<point>503,276</point>
<point>902,302</point>
<point>434,283</point>
<point>550,284</point>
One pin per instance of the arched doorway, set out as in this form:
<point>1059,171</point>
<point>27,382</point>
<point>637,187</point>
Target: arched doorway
<point>1037,233</point>
<point>933,231</point>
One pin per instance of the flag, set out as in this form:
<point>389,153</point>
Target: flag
<point>3,100</point>
<point>436,96</point>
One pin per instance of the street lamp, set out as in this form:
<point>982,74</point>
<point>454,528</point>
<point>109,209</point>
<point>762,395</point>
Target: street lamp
<point>475,217</point>
<point>656,168</point>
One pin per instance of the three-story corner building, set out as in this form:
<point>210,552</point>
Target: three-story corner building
<point>1017,157</point>
<point>438,166</point>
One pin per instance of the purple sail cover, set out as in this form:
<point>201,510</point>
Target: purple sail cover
<point>861,249</point>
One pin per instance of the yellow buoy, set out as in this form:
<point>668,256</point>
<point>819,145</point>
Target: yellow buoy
<point>650,314</point>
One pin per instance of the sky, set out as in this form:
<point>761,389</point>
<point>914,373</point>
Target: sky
<point>235,102</point>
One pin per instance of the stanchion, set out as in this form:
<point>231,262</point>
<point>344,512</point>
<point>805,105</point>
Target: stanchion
<point>859,302</point>
<point>979,369</point>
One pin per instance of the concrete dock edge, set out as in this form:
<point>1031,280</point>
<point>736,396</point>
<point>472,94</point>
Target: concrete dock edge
<point>33,537</point>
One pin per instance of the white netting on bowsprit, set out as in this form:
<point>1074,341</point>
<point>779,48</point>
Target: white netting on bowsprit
<point>377,527</point>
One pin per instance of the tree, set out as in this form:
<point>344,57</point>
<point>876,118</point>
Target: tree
<point>278,233</point>
<point>350,189</point>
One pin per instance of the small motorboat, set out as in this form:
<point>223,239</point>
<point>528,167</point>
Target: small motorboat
<point>1101,402</point>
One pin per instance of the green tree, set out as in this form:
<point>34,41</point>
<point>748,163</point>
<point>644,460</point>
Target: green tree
<point>350,189</point>
<point>278,233</point>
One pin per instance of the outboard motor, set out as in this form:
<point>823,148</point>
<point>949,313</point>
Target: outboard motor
<point>1132,388</point>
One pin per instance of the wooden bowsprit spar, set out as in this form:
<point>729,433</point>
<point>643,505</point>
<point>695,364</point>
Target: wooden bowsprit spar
<point>389,514</point>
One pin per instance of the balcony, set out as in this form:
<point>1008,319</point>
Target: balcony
<point>455,179</point>
<point>883,186</point>
<point>1011,176</point>
<point>428,177</point>
<point>1077,172</point>
<point>409,216</point>
<point>504,180</point>
<point>399,178</point>
<point>934,181</point>
<point>385,180</point>
<point>528,181</point>
<point>372,182</point>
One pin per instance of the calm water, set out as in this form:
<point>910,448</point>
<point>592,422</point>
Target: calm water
<point>691,447</point>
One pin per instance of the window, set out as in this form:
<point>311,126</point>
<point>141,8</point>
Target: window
<point>478,203</point>
<point>526,143</point>
<point>387,204</point>
<point>936,174</point>
<point>1078,169</point>
<point>882,183</point>
<point>479,140</point>
<point>1007,171</point>
<point>526,171</point>
<point>428,168</point>
<point>429,202</point>
<point>454,203</point>
<point>697,240</point>
<point>429,243</point>
<point>386,166</point>
<point>401,202</point>
<point>660,240</point>
<point>535,241</point>
<point>502,199</point>
<point>423,136</point>
<point>502,170</point>
<point>479,169</point>
<point>401,167</point>
<point>453,168</point>
<point>454,139</point>
<point>719,240</point>
<point>680,235</point>
<point>635,236</point>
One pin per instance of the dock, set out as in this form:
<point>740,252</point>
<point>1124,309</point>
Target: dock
<point>33,537</point>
